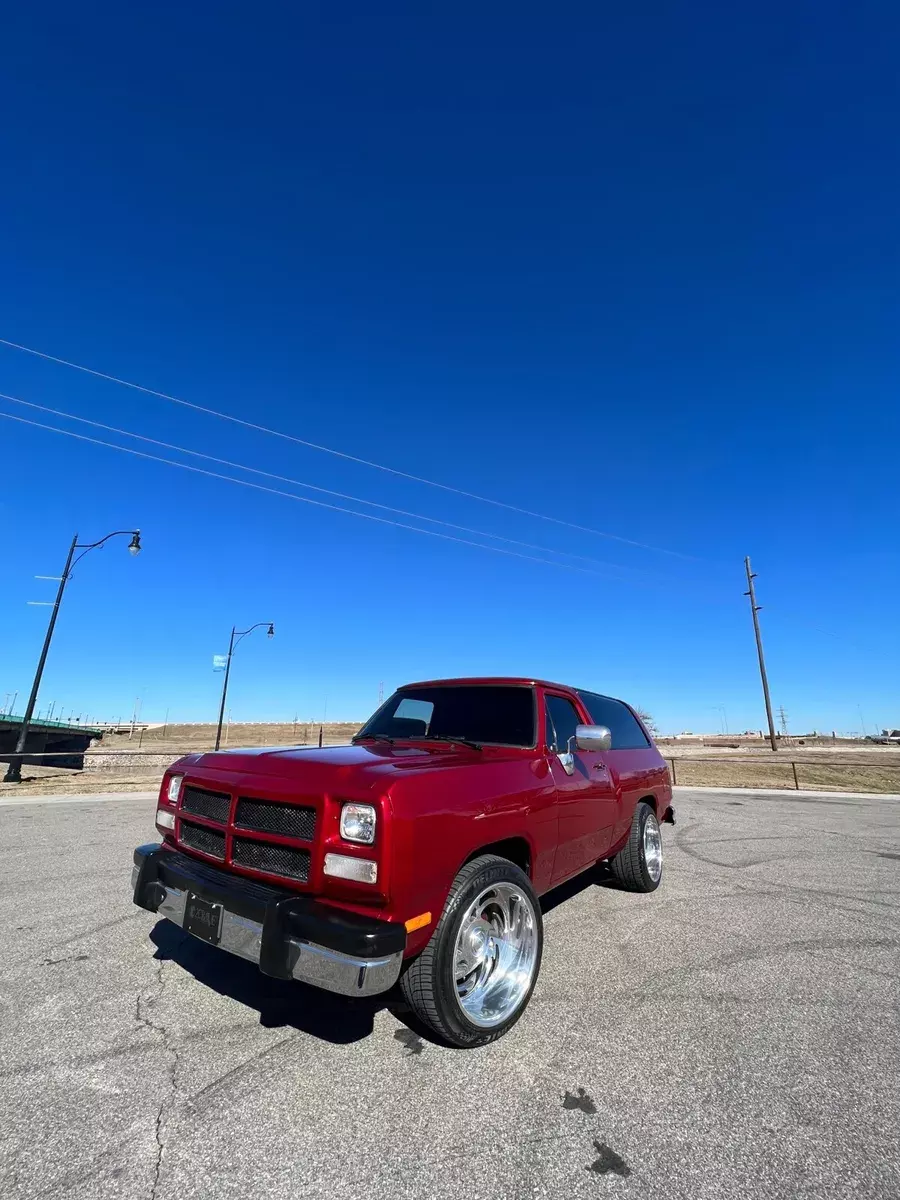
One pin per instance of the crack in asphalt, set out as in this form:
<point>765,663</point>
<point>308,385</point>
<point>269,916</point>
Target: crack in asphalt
<point>115,1052</point>
<point>142,1004</point>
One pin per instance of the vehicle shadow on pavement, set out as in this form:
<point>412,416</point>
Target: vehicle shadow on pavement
<point>280,1003</point>
<point>291,1004</point>
<point>598,876</point>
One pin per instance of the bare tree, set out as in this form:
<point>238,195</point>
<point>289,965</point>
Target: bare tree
<point>648,720</point>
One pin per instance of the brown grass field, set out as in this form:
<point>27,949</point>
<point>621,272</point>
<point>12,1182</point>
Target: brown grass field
<point>123,764</point>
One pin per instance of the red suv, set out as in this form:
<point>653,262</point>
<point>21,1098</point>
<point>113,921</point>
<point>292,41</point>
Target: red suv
<point>418,852</point>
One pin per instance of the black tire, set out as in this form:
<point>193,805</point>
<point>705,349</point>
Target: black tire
<point>429,983</point>
<point>629,866</point>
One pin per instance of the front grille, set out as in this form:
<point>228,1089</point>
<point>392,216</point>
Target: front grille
<point>276,860</point>
<point>198,837</point>
<point>214,806</point>
<point>267,816</point>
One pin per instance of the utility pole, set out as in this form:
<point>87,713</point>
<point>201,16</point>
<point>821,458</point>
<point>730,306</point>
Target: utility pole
<point>754,609</point>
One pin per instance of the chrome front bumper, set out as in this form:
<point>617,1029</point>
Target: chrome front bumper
<point>306,961</point>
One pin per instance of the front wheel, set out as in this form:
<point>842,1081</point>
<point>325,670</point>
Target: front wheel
<point>473,980</point>
<point>638,865</point>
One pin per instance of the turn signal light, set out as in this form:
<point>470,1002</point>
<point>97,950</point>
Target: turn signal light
<point>342,866</point>
<point>418,922</point>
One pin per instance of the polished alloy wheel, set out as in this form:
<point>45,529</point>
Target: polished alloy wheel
<point>495,954</point>
<point>653,848</point>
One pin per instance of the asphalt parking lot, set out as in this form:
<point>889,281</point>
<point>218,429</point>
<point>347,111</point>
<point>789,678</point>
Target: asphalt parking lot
<point>735,1034</point>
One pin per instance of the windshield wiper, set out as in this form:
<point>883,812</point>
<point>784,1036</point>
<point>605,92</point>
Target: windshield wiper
<point>372,737</point>
<point>445,737</point>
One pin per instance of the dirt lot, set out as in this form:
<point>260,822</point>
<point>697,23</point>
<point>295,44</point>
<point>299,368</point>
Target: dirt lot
<point>844,766</point>
<point>133,764</point>
<point>123,764</point>
<point>812,774</point>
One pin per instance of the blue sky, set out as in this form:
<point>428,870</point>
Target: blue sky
<point>634,268</point>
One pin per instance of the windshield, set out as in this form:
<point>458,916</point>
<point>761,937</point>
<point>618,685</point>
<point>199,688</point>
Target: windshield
<point>493,715</point>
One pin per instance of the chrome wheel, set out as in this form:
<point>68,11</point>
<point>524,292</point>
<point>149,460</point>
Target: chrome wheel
<point>495,954</point>
<point>653,848</point>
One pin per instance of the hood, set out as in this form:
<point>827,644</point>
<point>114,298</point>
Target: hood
<point>321,769</point>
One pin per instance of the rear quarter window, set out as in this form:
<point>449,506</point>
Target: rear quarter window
<point>627,734</point>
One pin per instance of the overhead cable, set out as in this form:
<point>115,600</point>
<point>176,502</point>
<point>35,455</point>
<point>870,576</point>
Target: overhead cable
<point>213,412</point>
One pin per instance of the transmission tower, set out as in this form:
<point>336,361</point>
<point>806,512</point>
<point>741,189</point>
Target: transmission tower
<point>782,717</point>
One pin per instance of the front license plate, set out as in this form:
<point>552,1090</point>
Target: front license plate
<point>203,919</point>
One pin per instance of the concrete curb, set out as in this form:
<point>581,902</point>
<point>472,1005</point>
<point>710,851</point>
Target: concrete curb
<point>788,792</point>
<point>98,798</point>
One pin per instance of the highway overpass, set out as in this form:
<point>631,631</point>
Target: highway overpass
<point>46,739</point>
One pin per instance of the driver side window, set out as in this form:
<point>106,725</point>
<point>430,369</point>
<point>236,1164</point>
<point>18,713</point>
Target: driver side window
<point>561,719</point>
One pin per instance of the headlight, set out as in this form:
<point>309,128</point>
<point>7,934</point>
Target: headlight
<point>363,870</point>
<point>165,819</point>
<point>175,788</point>
<point>358,823</point>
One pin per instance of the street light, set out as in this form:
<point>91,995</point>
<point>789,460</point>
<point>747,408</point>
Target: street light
<point>723,716</point>
<point>14,772</point>
<point>232,646</point>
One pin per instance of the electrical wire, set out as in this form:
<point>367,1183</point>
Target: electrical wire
<point>305,499</point>
<point>337,453</point>
<point>224,462</point>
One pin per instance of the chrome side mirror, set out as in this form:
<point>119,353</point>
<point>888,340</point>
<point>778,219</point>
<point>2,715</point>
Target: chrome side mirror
<point>593,737</point>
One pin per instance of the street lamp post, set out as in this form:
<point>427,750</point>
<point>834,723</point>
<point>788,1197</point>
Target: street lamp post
<point>232,646</point>
<point>14,772</point>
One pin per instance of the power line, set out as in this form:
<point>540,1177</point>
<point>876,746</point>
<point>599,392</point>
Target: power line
<point>212,412</point>
<point>311,486</point>
<point>81,437</point>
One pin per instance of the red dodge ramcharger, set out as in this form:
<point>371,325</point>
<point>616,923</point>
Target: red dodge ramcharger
<point>419,851</point>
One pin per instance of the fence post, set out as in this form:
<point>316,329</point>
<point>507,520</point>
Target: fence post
<point>674,779</point>
<point>796,782</point>
<point>320,737</point>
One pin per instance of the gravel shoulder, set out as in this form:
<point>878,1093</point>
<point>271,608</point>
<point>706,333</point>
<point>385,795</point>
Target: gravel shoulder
<point>735,1033</point>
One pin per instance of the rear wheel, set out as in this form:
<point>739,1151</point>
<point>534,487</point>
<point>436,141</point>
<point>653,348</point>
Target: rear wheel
<point>473,980</point>
<point>638,865</point>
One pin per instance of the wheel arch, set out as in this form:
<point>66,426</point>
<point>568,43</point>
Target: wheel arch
<point>517,849</point>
